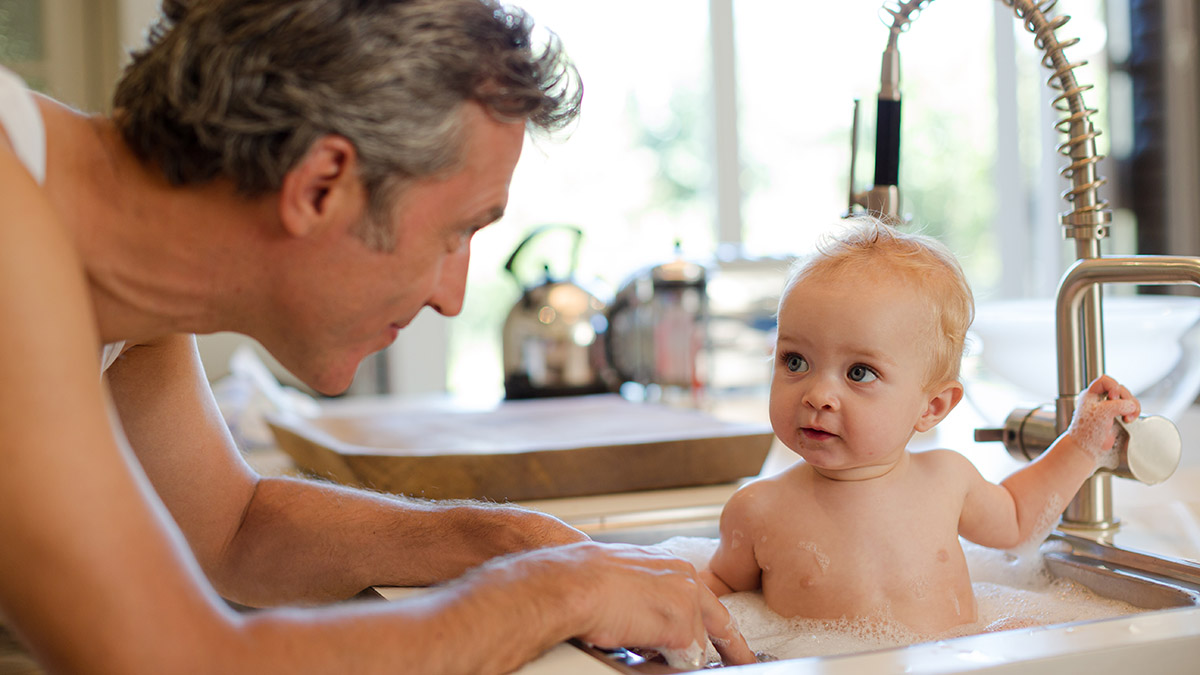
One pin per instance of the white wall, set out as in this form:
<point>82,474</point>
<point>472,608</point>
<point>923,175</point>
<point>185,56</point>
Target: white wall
<point>133,17</point>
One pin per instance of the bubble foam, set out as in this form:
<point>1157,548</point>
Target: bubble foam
<point>1012,591</point>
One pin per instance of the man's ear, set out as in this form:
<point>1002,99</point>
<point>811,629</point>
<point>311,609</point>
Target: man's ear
<point>322,188</point>
<point>942,399</point>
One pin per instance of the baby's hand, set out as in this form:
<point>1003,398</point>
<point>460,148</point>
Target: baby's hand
<point>1093,426</point>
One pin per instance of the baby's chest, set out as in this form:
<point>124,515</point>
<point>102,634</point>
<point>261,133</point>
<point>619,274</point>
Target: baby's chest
<point>855,577</point>
<point>890,545</point>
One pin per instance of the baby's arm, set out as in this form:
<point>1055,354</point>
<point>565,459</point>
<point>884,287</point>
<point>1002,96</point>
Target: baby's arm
<point>734,566</point>
<point>1027,503</point>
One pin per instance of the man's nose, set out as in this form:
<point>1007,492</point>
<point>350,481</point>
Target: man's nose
<point>450,287</point>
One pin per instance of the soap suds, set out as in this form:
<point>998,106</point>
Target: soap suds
<point>822,559</point>
<point>1011,591</point>
<point>1046,521</point>
<point>736,542</point>
<point>1089,427</point>
<point>692,657</point>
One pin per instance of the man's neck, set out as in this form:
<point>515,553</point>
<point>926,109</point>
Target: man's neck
<point>159,259</point>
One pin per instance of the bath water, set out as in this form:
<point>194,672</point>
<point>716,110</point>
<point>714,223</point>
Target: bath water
<point>1012,591</point>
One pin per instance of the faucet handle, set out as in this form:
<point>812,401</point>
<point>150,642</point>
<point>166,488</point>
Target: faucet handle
<point>989,435</point>
<point>1148,449</point>
<point>1026,433</point>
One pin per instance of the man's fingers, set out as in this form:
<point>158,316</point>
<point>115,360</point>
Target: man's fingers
<point>724,633</point>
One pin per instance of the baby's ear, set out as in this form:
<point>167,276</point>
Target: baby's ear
<point>942,400</point>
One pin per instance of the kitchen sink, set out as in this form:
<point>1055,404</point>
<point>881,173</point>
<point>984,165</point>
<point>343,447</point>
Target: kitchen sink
<point>1167,588</point>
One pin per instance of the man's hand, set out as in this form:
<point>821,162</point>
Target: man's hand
<point>638,597</point>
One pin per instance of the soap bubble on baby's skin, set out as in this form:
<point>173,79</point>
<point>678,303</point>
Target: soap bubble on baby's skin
<point>822,559</point>
<point>1046,521</point>
<point>1012,591</point>
<point>1089,428</point>
<point>736,540</point>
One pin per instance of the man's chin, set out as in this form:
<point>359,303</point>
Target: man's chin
<point>331,381</point>
<point>334,389</point>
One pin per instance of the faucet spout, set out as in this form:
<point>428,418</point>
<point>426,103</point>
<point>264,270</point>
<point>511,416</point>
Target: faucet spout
<point>1081,354</point>
<point>1073,347</point>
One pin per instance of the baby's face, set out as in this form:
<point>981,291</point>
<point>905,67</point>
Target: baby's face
<point>849,376</point>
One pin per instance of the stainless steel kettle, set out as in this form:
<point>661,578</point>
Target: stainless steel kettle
<point>658,328</point>
<point>553,336</point>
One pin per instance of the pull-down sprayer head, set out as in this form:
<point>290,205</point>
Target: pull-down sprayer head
<point>883,199</point>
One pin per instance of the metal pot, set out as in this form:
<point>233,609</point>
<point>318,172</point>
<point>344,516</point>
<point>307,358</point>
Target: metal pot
<point>553,336</point>
<point>658,328</point>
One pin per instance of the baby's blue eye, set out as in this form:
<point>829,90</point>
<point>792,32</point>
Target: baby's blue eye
<point>861,373</point>
<point>796,363</point>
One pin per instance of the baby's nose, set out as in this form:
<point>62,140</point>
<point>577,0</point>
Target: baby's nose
<point>821,395</point>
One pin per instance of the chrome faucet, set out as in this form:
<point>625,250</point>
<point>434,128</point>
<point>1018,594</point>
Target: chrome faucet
<point>1079,310</point>
<point>1081,358</point>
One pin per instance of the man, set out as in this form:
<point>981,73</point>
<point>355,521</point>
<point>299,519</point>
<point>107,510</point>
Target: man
<point>309,173</point>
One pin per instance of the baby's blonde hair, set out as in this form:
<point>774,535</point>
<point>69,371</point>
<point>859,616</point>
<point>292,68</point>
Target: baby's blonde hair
<point>922,261</point>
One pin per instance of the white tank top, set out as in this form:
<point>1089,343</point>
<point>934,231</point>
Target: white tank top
<point>22,122</point>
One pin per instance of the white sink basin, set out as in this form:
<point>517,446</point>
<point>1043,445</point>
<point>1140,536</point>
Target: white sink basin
<point>1152,346</point>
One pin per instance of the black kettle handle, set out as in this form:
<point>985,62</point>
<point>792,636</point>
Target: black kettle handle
<point>537,231</point>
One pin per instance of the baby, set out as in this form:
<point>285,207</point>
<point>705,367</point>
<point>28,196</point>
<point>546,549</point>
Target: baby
<point>871,335</point>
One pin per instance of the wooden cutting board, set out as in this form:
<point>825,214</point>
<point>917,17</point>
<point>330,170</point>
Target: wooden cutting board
<point>521,450</point>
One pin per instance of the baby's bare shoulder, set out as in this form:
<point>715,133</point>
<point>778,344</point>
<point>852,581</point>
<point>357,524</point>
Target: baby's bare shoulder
<point>944,463</point>
<point>749,495</point>
<point>760,496</point>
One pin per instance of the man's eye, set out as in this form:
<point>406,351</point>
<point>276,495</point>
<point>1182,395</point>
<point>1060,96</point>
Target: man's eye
<point>795,363</point>
<point>861,373</point>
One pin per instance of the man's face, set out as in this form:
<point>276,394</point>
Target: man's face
<point>351,300</point>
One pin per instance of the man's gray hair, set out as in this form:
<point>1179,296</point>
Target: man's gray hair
<point>242,88</point>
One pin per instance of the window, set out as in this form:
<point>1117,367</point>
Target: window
<point>641,168</point>
<point>725,121</point>
<point>635,173</point>
<point>66,48</point>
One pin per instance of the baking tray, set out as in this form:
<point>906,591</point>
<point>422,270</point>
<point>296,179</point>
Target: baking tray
<point>522,450</point>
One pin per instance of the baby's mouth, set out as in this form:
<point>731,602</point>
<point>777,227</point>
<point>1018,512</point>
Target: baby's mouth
<point>815,434</point>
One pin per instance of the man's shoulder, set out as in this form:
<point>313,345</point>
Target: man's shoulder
<point>156,356</point>
<point>22,130</point>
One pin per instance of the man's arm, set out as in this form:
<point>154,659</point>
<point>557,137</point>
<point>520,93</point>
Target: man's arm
<point>299,541</point>
<point>96,577</point>
<point>1026,505</point>
<point>89,564</point>
<point>265,541</point>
